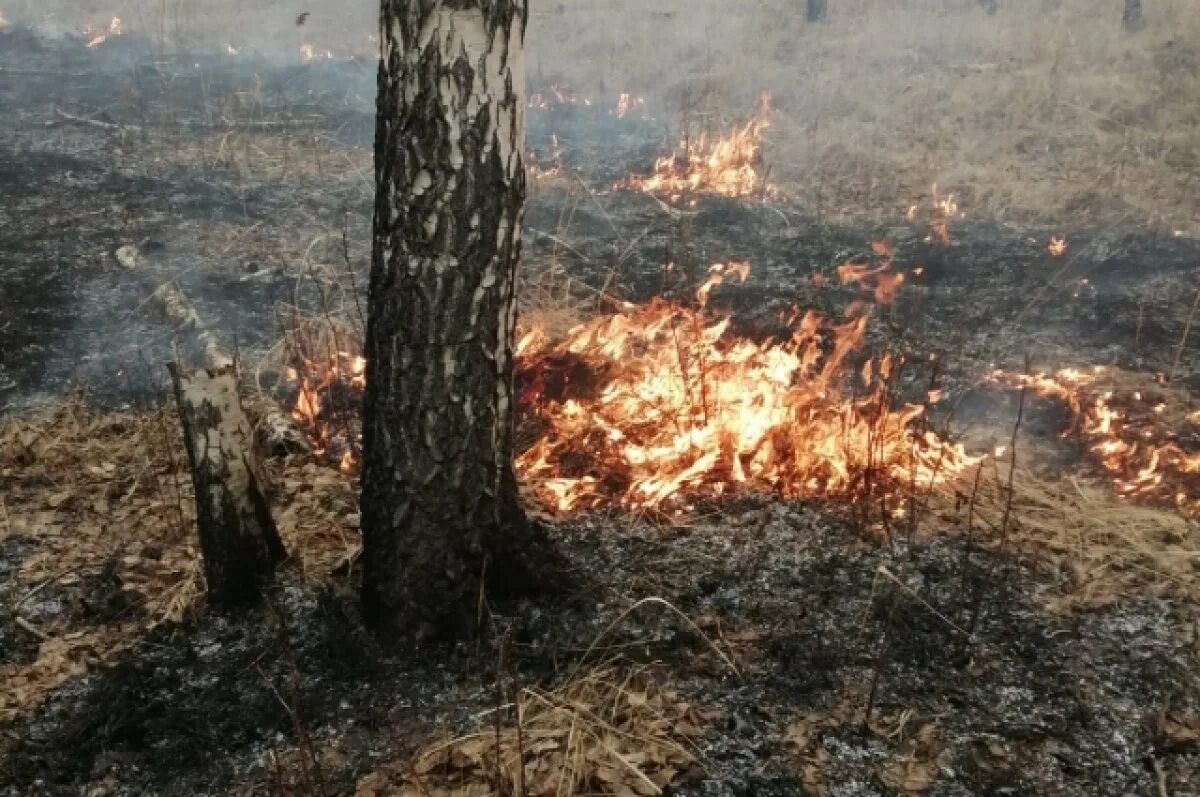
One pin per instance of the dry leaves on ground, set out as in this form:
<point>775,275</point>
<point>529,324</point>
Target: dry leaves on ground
<point>604,733</point>
<point>89,497</point>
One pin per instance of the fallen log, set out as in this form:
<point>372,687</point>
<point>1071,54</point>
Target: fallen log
<point>62,117</point>
<point>238,539</point>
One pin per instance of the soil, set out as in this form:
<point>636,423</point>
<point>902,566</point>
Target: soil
<point>865,664</point>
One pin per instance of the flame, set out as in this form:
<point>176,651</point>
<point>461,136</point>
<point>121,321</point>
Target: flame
<point>627,102</point>
<point>940,211</point>
<point>1128,431</point>
<point>326,391</point>
<point>656,406</point>
<point>557,95</point>
<point>1057,246</point>
<point>98,35</point>
<point>308,404</point>
<point>717,274</point>
<point>310,53</point>
<point>660,405</point>
<point>725,166</point>
<point>622,105</point>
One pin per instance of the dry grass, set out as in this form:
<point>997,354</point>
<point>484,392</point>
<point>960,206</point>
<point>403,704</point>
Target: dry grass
<point>101,508</point>
<point>1110,548</point>
<point>608,731</point>
<point>1048,110</point>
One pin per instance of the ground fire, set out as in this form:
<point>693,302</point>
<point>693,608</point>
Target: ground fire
<point>599,398</point>
<point>656,406</point>
<point>97,35</point>
<point>1134,431</point>
<point>726,165</point>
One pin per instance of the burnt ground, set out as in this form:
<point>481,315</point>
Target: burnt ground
<point>239,178</point>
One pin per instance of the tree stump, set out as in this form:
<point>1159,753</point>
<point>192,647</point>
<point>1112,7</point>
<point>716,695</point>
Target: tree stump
<point>275,433</point>
<point>238,539</point>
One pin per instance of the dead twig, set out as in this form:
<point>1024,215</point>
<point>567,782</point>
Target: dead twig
<point>31,628</point>
<point>1005,523</point>
<point>1187,328</point>
<point>67,118</point>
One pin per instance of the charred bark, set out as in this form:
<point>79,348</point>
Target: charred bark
<point>440,512</point>
<point>238,539</point>
<point>816,10</point>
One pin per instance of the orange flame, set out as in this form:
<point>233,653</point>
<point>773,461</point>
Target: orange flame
<point>724,166</point>
<point>941,209</point>
<point>1127,432</point>
<point>657,406</point>
<point>98,35</point>
<point>1057,246</point>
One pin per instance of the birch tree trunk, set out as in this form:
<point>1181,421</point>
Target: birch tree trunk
<point>1133,15</point>
<point>440,513</point>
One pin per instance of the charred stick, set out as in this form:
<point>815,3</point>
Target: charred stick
<point>1187,328</point>
<point>1006,520</point>
<point>969,540</point>
<point>66,118</point>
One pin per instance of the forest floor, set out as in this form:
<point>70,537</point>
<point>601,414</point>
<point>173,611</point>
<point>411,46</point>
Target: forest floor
<point>754,646</point>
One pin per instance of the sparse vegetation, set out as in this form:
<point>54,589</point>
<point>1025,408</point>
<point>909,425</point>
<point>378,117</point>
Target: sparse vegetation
<point>1026,173</point>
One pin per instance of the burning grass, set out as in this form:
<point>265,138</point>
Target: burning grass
<point>1044,109</point>
<point>658,406</point>
<point>1141,432</point>
<point>724,165</point>
<point>654,407</point>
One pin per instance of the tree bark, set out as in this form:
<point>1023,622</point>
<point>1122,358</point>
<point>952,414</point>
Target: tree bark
<point>1133,15</point>
<point>816,10</point>
<point>440,512</point>
<point>238,539</point>
<point>275,433</point>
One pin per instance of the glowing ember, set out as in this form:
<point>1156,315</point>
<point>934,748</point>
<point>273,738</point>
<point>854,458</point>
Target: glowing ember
<point>1057,246</point>
<point>626,103</point>
<point>725,166</point>
<point>940,210</point>
<point>657,406</point>
<point>97,36</point>
<point>1133,433</point>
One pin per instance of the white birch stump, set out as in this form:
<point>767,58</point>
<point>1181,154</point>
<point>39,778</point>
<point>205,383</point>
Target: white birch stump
<point>238,539</point>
